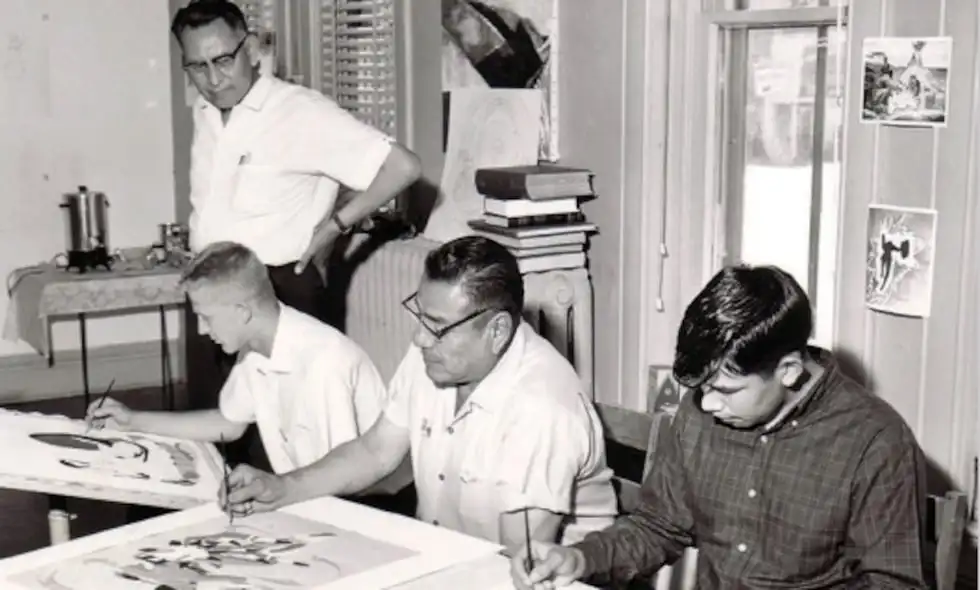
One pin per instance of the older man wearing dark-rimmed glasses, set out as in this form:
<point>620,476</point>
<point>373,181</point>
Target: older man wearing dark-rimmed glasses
<point>494,418</point>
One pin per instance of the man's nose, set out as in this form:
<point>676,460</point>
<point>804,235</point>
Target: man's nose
<point>422,337</point>
<point>712,403</point>
<point>214,76</point>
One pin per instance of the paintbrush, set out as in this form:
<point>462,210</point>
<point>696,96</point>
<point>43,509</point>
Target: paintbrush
<point>529,560</point>
<point>227,473</point>
<point>101,401</point>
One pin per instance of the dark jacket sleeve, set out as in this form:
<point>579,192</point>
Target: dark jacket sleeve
<point>660,528</point>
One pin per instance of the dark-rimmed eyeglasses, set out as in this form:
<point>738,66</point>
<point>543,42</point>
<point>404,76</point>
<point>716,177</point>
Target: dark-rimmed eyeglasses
<point>222,63</point>
<point>411,304</point>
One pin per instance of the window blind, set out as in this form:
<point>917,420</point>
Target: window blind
<point>357,59</point>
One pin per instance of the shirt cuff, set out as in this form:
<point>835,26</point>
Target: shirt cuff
<point>370,165</point>
<point>512,499</point>
<point>596,557</point>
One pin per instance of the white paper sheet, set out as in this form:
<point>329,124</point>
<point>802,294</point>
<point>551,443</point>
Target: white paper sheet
<point>365,548</point>
<point>57,455</point>
<point>487,127</point>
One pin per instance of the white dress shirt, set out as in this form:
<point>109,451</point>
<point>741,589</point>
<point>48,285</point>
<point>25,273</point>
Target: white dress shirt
<point>526,437</point>
<point>316,390</point>
<point>271,173</point>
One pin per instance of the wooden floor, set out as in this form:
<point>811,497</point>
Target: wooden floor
<point>23,515</point>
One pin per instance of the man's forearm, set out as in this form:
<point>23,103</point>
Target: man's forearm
<point>400,169</point>
<point>634,544</point>
<point>200,425</point>
<point>347,470</point>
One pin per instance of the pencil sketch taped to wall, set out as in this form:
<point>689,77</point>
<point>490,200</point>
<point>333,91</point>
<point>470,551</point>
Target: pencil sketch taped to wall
<point>273,551</point>
<point>56,449</point>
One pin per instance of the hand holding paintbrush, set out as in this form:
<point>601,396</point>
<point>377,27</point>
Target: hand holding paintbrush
<point>92,414</point>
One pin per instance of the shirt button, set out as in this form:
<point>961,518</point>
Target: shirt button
<point>450,430</point>
<point>764,438</point>
<point>793,423</point>
<point>752,493</point>
<point>742,548</point>
<point>442,477</point>
<point>435,522</point>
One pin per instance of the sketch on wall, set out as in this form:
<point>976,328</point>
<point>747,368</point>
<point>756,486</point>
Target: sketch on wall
<point>61,451</point>
<point>900,259</point>
<point>505,44</point>
<point>265,552</point>
<point>906,80</point>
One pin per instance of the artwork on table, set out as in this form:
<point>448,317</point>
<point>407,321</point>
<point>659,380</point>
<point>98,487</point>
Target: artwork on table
<point>487,127</point>
<point>58,455</point>
<point>325,544</point>
<point>262,552</point>
<point>505,44</point>
<point>900,259</point>
<point>906,80</point>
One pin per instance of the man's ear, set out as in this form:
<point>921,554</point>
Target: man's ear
<point>254,49</point>
<point>790,370</point>
<point>245,312</point>
<point>501,327</point>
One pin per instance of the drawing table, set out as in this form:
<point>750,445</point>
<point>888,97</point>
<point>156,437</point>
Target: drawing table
<point>44,293</point>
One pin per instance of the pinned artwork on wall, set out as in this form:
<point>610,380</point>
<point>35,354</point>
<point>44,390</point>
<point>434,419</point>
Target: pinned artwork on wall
<point>57,455</point>
<point>900,258</point>
<point>505,44</point>
<point>906,80</point>
<point>325,544</point>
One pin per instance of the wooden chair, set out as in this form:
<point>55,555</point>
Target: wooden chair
<point>631,442</point>
<point>947,523</point>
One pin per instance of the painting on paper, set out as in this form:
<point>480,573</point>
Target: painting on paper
<point>900,259</point>
<point>60,451</point>
<point>274,551</point>
<point>906,80</point>
<point>505,44</point>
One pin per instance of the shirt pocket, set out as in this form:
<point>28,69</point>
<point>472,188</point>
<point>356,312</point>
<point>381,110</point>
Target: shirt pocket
<point>257,190</point>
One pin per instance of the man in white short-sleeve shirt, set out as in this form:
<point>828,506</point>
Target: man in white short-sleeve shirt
<point>306,385</point>
<point>267,160</point>
<point>493,417</point>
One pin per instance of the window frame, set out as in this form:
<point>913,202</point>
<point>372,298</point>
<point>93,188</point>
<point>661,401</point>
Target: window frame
<point>726,33</point>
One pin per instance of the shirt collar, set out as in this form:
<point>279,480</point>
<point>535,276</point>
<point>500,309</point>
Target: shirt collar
<point>279,360</point>
<point>818,391</point>
<point>495,389</point>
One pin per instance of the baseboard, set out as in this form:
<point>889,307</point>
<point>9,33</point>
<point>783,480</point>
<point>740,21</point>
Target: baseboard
<point>27,377</point>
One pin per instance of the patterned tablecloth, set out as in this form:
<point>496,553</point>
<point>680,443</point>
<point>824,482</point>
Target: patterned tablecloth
<point>39,293</point>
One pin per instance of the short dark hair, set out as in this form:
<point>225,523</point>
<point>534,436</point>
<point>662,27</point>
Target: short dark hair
<point>487,271</point>
<point>744,321</point>
<point>198,13</point>
<point>231,266</point>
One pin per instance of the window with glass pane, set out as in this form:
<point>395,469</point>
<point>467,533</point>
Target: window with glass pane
<point>782,172</point>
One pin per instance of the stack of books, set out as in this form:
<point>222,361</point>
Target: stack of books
<point>534,212</point>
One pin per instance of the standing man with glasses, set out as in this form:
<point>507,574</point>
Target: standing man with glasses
<point>494,418</point>
<point>267,160</point>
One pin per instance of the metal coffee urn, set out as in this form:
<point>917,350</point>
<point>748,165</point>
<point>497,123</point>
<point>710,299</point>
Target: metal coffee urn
<point>87,240</point>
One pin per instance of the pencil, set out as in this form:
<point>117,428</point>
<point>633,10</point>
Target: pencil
<point>527,541</point>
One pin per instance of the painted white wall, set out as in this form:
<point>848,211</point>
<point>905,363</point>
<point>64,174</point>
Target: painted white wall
<point>85,97</point>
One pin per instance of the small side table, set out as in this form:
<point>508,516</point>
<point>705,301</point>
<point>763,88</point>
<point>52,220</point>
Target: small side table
<point>42,294</point>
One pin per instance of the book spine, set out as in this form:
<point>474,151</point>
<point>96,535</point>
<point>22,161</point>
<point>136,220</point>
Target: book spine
<point>534,220</point>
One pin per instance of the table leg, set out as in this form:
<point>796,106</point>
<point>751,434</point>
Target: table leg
<point>84,344</point>
<point>167,384</point>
